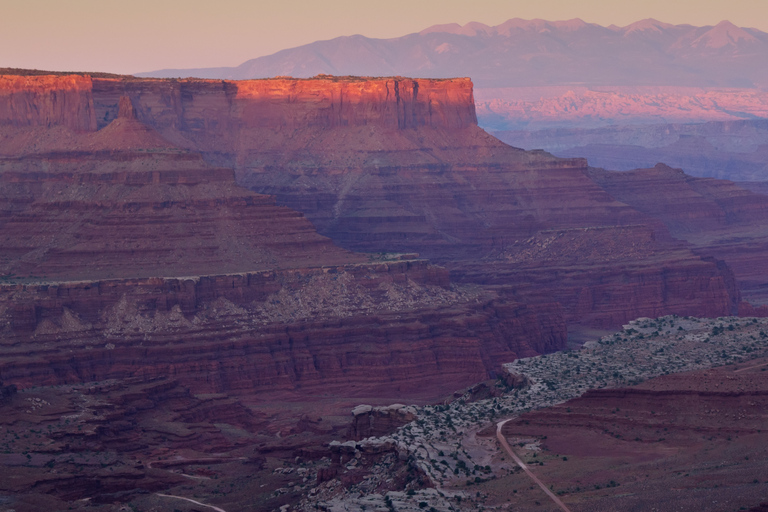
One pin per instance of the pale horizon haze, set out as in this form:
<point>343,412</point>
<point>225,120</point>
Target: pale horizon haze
<point>145,35</point>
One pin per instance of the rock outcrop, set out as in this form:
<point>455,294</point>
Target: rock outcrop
<point>370,421</point>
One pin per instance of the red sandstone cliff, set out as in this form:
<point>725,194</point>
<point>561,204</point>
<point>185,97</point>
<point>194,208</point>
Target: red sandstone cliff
<point>385,327</point>
<point>47,101</point>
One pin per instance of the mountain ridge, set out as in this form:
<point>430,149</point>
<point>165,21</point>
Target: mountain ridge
<point>528,52</point>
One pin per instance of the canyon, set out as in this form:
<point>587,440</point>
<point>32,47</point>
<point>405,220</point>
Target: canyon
<point>400,165</point>
<point>228,267</point>
<point>150,305</point>
<point>125,254</point>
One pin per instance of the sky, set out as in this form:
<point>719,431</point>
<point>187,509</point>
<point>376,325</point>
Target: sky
<point>131,36</point>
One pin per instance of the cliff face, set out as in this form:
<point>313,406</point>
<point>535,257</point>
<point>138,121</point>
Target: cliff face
<point>218,115</point>
<point>47,101</point>
<point>77,101</point>
<point>374,328</point>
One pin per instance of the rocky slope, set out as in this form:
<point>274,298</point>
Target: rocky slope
<point>388,326</point>
<point>698,424</point>
<point>662,443</point>
<point>122,202</point>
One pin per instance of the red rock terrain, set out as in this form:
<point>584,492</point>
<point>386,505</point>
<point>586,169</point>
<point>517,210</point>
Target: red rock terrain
<point>400,165</point>
<point>716,217</point>
<point>116,240</point>
<point>389,327</point>
<point>688,441</point>
<point>129,251</point>
<point>130,263</point>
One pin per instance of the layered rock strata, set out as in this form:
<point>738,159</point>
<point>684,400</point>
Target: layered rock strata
<point>716,217</point>
<point>124,254</point>
<point>370,421</point>
<point>388,327</point>
<point>399,164</point>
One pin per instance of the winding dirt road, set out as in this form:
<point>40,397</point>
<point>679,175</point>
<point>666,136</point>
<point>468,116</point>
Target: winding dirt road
<point>505,444</point>
<point>217,509</point>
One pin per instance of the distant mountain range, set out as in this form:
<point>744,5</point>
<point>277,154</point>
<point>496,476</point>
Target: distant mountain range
<point>520,53</point>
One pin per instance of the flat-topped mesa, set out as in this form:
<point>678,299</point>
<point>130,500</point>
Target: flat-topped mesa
<point>292,120</point>
<point>85,104</point>
<point>338,101</point>
<point>310,123</point>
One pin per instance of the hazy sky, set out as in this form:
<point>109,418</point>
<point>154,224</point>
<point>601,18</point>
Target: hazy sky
<point>130,36</point>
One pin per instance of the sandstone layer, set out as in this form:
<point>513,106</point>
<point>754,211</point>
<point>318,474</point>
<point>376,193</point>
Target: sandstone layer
<point>388,328</point>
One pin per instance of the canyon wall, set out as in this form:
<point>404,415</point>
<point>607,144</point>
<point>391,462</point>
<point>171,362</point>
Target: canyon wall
<point>391,327</point>
<point>214,115</point>
<point>86,104</point>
